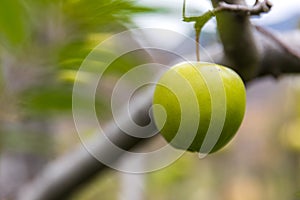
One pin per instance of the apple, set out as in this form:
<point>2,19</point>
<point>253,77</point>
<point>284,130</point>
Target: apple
<point>199,106</point>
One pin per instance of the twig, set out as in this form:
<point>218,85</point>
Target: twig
<point>200,21</point>
<point>257,9</point>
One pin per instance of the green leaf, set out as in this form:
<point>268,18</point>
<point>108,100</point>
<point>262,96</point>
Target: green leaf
<point>48,99</point>
<point>12,22</point>
<point>52,100</point>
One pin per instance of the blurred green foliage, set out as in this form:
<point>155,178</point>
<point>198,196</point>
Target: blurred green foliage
<point>58,36</point>
<point>42,45</point>
<point>12,22</point>
<point>103,186</point>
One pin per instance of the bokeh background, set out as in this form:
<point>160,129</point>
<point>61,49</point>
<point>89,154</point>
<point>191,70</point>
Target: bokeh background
<point>43,43</point>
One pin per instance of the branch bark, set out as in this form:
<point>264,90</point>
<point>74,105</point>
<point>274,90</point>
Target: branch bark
<point>277,53</point>
<point>250,52</point>
<point>236,34</point>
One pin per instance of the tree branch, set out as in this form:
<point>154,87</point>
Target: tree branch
<point>66,174</point>
<point>253,51</point>
<point>237,9</point>
<point>236,34</point>
<point>286,47</point>
<point>277,55</point>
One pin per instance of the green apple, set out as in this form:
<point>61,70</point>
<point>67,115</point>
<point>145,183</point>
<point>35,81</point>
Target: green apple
<point>199,106</point>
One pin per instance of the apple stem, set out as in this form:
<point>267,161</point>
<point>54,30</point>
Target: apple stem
<point>200,21</point>
<point>198,31</point>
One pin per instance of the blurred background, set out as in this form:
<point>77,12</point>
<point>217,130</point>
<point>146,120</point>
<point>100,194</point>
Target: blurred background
<point>42,45</point>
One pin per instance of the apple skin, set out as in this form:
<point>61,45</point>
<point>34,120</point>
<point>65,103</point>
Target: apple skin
<point>186,83</point>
